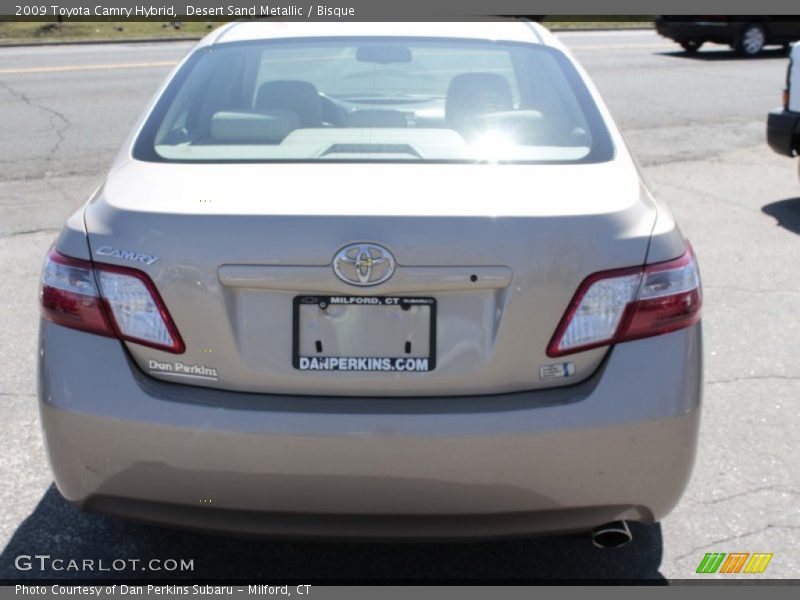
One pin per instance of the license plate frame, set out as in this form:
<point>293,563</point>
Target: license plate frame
<point>374,364</point>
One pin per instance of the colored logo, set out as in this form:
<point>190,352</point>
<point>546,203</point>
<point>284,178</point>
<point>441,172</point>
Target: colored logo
<point>734,562</point>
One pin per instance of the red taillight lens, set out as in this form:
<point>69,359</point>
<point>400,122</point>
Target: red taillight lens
<point>627,304</point>
<point>126,306</point>
<point>69,295</point>
<point>669,298</point>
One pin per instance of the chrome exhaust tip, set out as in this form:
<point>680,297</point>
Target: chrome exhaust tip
<point>612,535</point>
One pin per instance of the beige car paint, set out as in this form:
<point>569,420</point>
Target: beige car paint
<point>481,446</point>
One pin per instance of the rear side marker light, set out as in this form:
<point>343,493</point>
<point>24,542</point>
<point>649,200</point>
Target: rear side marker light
<point>107,300</point>
<point>627,304</point>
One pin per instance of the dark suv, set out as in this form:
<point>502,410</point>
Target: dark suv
<point>746,34</point>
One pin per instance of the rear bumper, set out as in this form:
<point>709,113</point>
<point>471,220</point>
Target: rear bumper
<point>783,132</point>
<point>619,445</point>
<point>698,31</point>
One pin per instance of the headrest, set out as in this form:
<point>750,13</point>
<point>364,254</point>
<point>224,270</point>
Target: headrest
<point>253,127</point>
<point>301,97</point>
<point>474,94</point>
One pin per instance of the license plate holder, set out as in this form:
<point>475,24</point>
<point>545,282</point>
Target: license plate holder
<point>364,333</point>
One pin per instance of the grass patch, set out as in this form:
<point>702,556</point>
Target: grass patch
<point>578,25</point>
<point>51,31</point>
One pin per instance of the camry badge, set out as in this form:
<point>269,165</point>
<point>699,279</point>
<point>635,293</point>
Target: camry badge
<point>141,257</point>
<point>363,264</point>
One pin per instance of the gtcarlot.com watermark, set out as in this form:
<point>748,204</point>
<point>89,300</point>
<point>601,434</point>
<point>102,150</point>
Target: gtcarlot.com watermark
<point>47,563</point>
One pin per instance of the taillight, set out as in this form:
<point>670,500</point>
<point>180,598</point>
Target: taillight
<point>628,304</point>
<point>69,295</point>
<point>126,305</point>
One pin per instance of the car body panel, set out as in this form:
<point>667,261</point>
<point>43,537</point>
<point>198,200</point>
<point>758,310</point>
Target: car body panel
<point>783,124</point>
<point>793,79</point>
<point>725,29</point>
<point>720,32</point>
<point>198,222</point>
<point>497,30</point>
<point>614,446</point>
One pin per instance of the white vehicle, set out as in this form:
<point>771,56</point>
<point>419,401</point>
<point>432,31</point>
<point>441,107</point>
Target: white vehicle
<point>783,124</point>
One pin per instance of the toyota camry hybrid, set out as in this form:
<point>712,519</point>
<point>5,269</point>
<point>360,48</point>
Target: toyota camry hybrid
<point>389,280</point>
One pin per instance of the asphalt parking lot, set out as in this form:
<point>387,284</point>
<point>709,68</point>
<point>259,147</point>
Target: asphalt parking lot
<point>697,126</point>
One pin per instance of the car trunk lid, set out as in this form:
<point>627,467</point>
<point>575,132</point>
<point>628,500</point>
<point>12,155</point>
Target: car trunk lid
<point>500,250</point>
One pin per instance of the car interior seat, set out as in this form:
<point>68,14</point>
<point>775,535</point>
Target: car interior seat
<point>300,97</point>
<point>472,95</point>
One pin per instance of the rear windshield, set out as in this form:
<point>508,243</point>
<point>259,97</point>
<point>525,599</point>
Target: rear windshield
<point>375,99</point>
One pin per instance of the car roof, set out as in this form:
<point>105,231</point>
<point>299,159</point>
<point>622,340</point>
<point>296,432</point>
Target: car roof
<point>508,30</point>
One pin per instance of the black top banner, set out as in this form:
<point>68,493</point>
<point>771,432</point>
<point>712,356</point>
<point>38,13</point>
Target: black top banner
<point>379,10</point>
